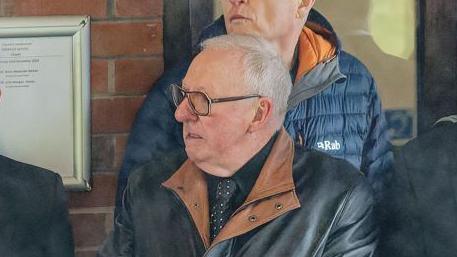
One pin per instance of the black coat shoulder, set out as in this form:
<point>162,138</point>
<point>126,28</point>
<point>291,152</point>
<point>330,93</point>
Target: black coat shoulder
<point>34,216</point>
<point>32,179</point>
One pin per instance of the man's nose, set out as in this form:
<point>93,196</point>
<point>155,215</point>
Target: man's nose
<point>183,112</point>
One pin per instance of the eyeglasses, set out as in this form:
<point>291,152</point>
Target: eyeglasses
<point>199,101</point>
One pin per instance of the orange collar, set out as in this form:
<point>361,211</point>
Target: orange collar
<point>272,195</point>
<point>313,49</point>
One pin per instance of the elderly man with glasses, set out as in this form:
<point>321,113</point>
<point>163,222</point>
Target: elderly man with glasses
<point>333,106</point>
<point>246,189</point>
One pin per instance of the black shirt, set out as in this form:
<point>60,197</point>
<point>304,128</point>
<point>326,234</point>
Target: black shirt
<point>244,178</point>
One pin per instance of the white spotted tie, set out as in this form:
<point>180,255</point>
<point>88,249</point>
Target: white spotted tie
<point>219,211</point>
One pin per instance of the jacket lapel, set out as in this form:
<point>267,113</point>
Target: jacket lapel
<point>272,195</point>
<point>189,183</point>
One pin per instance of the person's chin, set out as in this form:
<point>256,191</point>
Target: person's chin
<point>191,148</point>
<point>194,154</point>
<point>242,29</point>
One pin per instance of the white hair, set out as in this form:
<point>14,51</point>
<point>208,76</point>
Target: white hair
<point>264,73</point>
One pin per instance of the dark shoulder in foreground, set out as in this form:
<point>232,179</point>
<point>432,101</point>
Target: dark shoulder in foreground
<point>433,149</point>
<point>28,175</point>
<point>441,137</point>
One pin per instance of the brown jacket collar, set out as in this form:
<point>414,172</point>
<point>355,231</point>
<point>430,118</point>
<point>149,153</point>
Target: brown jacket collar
<point>272,195</point>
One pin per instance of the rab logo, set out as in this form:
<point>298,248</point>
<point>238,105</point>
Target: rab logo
<point>328,146</point>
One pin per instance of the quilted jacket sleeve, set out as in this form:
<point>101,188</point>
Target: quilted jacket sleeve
<point>377,157</point>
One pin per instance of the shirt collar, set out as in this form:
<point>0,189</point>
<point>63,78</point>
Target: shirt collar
<point>274,185</point>
<point>245,177</point>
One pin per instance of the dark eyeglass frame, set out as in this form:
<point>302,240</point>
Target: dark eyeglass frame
<point>209,101</point>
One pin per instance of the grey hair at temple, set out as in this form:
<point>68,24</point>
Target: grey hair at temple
<point>264,70</point>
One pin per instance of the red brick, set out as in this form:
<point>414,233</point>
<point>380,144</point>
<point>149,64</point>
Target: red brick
<point>136,76</point>
<point>127,38</point>
<point>114,115</point>
<point>102,193</point>
<point>139,8</point>
<point>103,152</point>
<point>99,76</point>
<point>88,229</point>
<point>7,8</point>
<point>121,143</point>
<point>94,8</point>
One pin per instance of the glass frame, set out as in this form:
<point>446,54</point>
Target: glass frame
<point>209,100</point>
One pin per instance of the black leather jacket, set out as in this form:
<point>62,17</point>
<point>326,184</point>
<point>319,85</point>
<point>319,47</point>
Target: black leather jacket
<point>303,204</point>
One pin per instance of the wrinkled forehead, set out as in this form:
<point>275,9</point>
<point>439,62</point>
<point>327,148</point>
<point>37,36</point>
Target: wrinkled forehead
<point>218,72</point>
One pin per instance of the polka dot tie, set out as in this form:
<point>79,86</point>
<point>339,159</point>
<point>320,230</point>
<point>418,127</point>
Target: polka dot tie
<point>220,210</point>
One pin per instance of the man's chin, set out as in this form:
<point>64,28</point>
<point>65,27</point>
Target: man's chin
<point>240,29</point>
<point>195,157</point>
<point>192,152</point>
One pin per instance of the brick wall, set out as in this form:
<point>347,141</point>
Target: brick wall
<point>126,59</point>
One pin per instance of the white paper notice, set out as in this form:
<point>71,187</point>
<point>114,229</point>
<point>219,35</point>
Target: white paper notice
<point>36,102</point>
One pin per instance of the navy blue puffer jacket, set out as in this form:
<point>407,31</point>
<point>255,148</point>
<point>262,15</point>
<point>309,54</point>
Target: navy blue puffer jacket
<point>334,108</point>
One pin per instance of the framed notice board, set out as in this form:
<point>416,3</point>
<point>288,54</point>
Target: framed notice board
<point>45,94</point>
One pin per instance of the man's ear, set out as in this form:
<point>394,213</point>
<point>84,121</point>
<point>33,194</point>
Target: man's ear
<point>304,7</point>
<point>262,115</point>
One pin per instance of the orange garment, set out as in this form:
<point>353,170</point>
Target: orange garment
<point>313,49</point>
